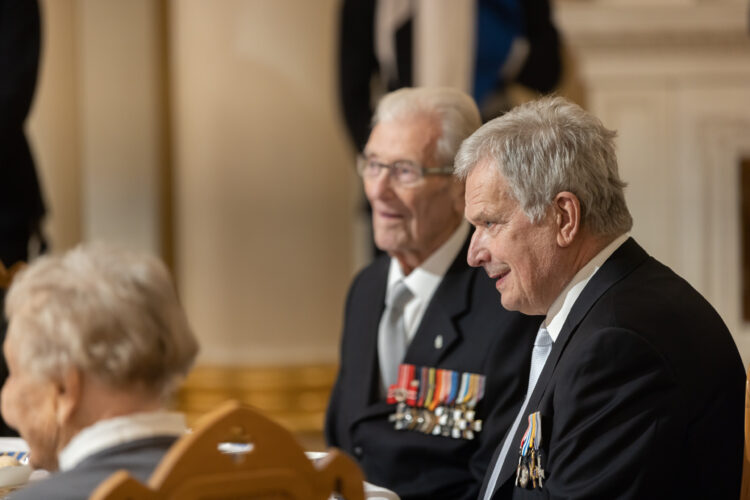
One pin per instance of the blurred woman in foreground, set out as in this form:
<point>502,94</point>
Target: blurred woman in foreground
<point>97,342</point>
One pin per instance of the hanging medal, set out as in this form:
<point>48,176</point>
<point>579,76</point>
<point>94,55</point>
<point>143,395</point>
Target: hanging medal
<point>539,472</point>
<point>522,477</point>
<point>529,460</point>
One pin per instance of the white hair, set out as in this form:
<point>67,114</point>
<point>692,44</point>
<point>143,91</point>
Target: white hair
<point>456,111</point>
<point>551,145</point>
<point>112,313</point>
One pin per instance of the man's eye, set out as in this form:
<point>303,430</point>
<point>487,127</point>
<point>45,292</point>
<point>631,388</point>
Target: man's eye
<point>405,169</point>
<point>488,224</point>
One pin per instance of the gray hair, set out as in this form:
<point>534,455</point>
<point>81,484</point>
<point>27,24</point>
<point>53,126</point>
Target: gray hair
<point>111,313</point>
<point>456,111</point>
<point>551,145</point>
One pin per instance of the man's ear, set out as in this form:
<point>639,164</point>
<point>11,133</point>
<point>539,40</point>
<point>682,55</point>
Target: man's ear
<point>567,213</point>
<point>69,390</point>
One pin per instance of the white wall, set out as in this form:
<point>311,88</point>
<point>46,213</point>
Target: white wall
<point>264,196</point>
<point>96,121</point>
<point>52,127</point>
<point>120,120</point>
<point>673,78</point>
<point>263,178</point>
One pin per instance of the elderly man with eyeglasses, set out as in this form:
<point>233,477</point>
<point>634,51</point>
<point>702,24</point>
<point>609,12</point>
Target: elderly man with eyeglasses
<point>429,371</point>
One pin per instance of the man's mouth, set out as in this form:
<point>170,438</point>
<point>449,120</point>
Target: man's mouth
<point>500,277</point>
<point>387,214</point>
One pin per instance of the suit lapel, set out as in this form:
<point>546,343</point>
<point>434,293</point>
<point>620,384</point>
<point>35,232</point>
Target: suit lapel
<point>450,299</point>
<point>621,263</point>
<point>366,393</point>
<point>437,332</point>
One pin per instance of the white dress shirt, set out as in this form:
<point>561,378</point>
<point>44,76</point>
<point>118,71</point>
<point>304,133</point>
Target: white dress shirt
<point>424,280</point>
<point>114,431</point>
<point>560,308</point>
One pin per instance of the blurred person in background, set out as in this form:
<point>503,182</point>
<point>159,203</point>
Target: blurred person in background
<point>478,46</point>
<point>97,344</point>
<point>21,205</point>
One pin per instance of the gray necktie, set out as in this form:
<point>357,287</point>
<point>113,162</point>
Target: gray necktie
<point>392,340</point>
<point>542,348</point>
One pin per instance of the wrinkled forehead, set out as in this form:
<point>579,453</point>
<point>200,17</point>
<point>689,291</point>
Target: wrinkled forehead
<point>412,137</point>
<point>487,189</point>
<point>486,179</point>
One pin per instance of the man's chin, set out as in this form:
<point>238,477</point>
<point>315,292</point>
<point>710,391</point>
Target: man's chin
<point>389,245</point>
<point>510,304</point>
<point>523,308</point>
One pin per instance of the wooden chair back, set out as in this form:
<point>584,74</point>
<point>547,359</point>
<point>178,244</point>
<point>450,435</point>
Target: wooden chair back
<point>275,466</point>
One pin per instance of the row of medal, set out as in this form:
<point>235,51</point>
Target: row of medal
<point>436,401</point>
<point>529,470</point>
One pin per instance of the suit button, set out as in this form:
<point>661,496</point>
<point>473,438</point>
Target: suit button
<point>358,451</point>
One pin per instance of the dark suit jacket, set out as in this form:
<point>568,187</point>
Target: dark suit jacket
<point>21,206</point>
<point>642,395</point>
<point>138,457</point>
<point>479,336</point>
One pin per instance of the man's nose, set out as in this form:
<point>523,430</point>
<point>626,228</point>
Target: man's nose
<point>381,186</point>
<point>477,254</point>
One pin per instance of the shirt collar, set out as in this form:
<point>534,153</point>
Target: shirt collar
<point>558,312</point>
<point>425,278</point>
<point>114,431</point>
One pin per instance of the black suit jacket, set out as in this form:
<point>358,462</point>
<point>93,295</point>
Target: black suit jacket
<point>479,336</point>
<point>642,395</point>
<point>21,206</point>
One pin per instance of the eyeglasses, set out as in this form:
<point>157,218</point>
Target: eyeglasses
<point>402,172</point>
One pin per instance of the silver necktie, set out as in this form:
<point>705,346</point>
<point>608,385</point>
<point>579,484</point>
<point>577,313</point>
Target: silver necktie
<point>392,340</point>
<point>542,348</point>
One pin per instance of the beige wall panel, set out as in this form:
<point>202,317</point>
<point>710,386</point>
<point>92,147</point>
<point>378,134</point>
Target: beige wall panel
<point>53,124</point>
<point>674,80</point>
<point>263,179</point>
<point>640,116</point>
<point>120,120</point>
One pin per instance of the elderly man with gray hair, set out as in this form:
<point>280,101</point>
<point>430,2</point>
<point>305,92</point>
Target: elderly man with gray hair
<point>636,386</point>
<point>429,360</point>
<point>97,342</point>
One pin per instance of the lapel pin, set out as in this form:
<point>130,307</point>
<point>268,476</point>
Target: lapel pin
<point>439,342</point>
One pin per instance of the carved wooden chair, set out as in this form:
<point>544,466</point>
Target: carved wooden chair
<point>275,466</point>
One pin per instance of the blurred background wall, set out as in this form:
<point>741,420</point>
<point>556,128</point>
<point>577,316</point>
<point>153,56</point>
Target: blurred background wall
<point>259,177</point>
<point>209,133</point>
